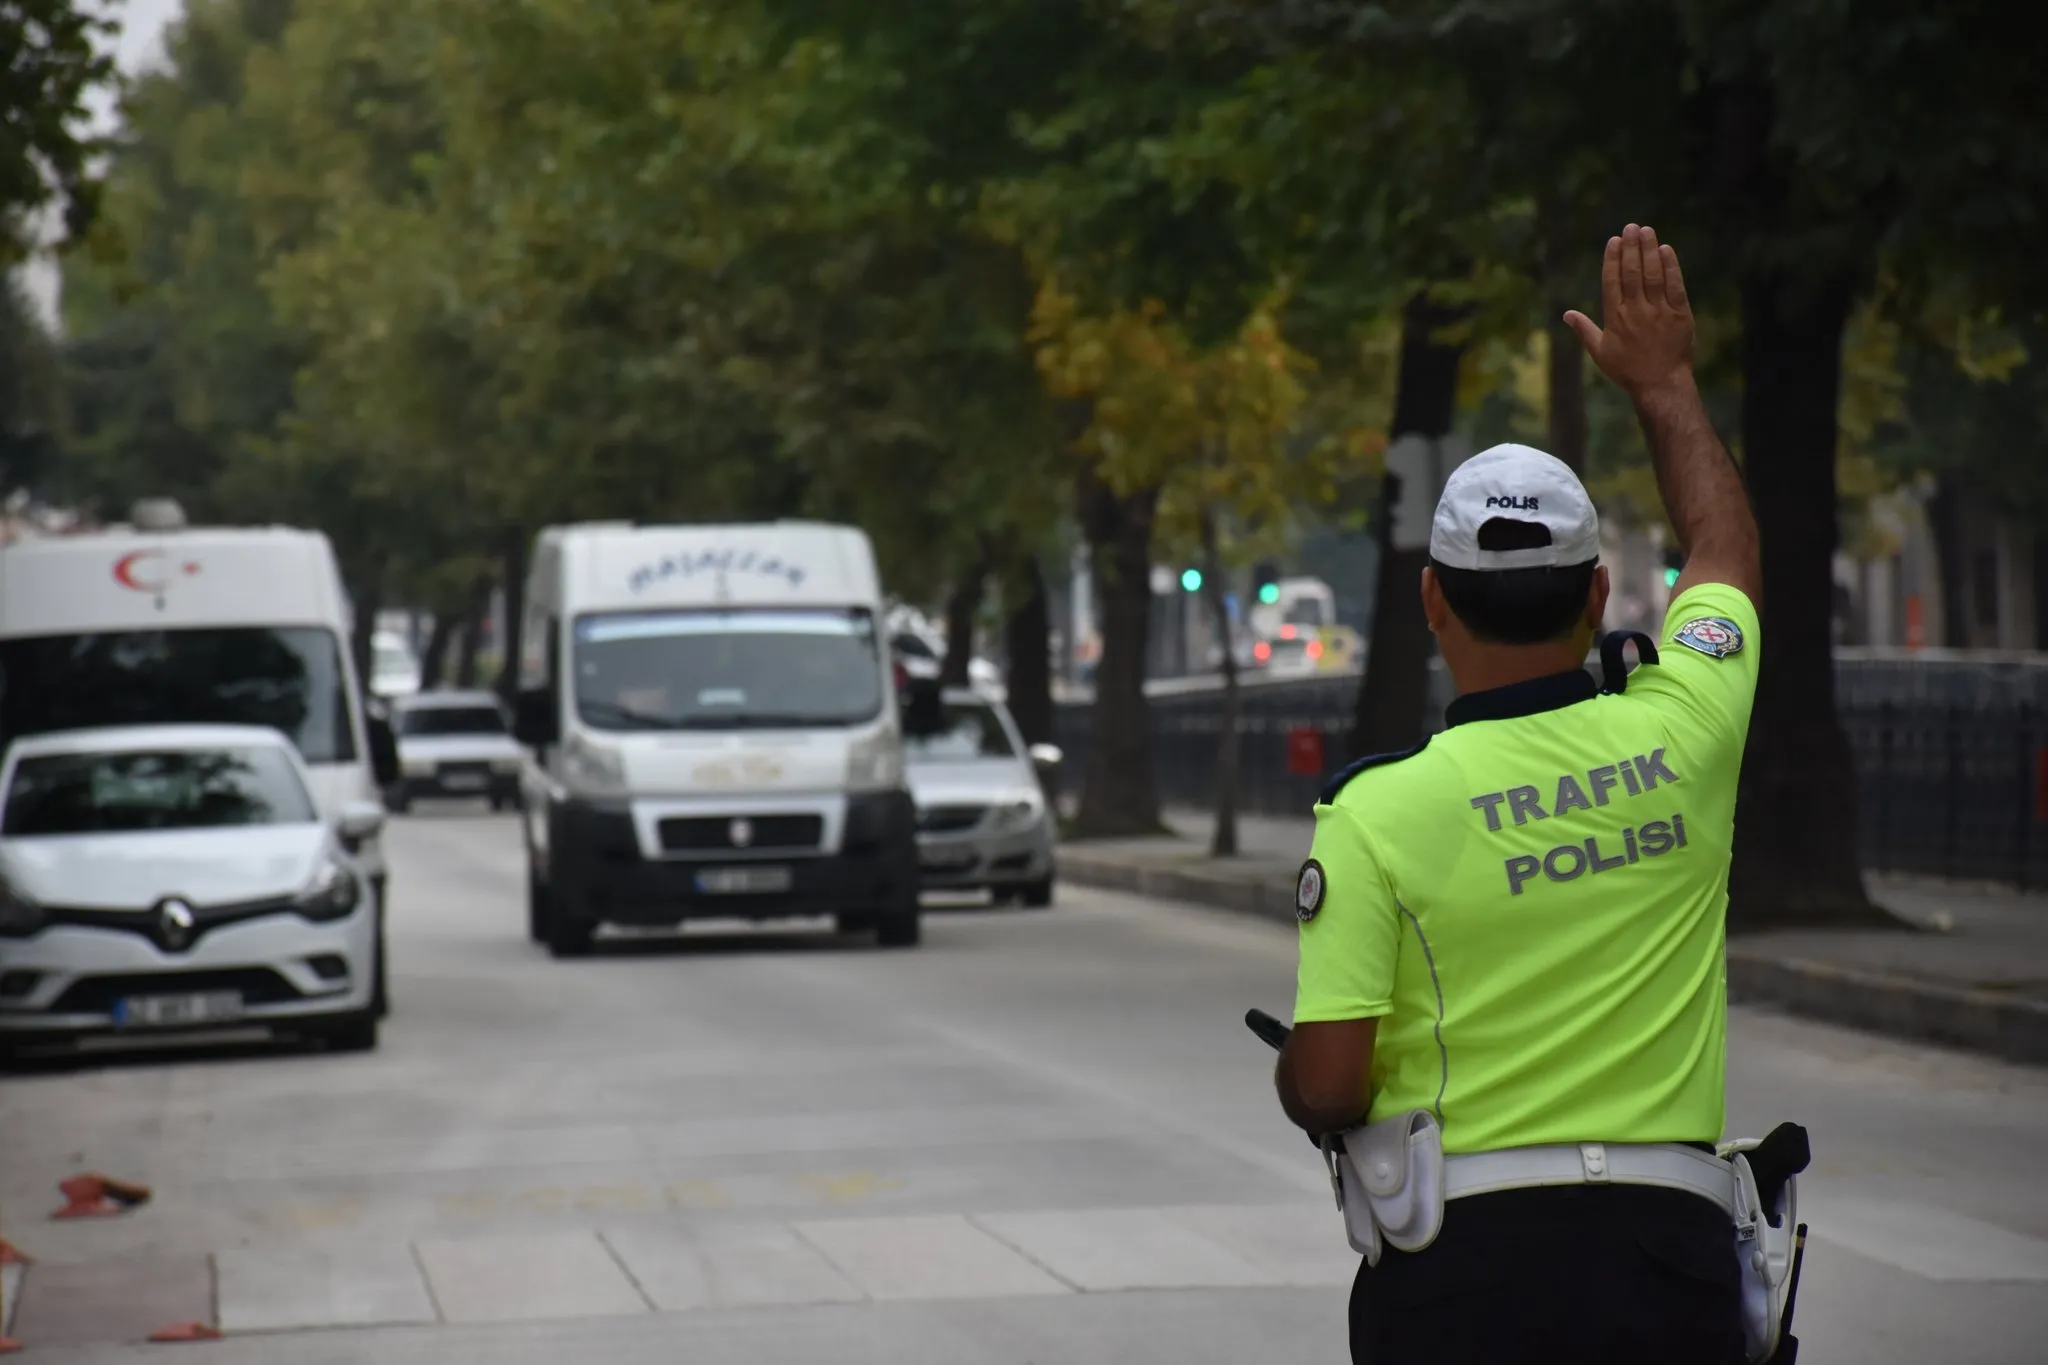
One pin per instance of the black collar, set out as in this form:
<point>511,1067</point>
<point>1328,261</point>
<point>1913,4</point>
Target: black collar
<point>1524,698</point>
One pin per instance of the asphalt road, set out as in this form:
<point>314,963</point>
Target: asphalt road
<point>1042,1137</point>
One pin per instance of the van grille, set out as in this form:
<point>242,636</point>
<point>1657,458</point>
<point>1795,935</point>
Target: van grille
<point>716,833</point>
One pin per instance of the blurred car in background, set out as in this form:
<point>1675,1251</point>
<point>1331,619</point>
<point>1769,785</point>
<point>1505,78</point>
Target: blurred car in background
<point>163,878</point>
<point>456,744</point>
<point>983,823</point>
<point>394,668</point>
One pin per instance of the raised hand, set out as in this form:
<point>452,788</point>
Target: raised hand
<point>1646,340</point>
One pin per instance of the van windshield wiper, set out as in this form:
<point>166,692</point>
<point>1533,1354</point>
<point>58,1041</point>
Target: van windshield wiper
<point>595,709</point>
<point>758,720</point>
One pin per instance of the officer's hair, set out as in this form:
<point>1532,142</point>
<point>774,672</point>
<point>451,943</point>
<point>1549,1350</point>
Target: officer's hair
<point>1516,606</point>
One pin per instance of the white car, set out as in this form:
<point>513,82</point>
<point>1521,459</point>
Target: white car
<point>454,744</point>
<point>171,877</point>
<point>982,819</point>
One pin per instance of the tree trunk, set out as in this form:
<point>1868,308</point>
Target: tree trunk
<point>963,606</point>
<point>477,608</point>
<point>435,655</point>
<point>1027,640</point>
<point>368,602</point>
<point>1393,695</point>
<point>512,555</point>
<point>1567,384</point>
<point>1795,832</point>
<point>1119,792</point>
<point>1223,842</point>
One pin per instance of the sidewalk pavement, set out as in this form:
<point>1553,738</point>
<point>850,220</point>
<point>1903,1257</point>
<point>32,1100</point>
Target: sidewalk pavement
<point>1975,974</point>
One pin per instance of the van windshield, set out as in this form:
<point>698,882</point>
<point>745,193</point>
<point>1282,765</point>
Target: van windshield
<point>714,670</point>
<point>288,678</point>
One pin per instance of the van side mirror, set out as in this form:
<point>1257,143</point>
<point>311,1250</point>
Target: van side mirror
<point>383,750</point>
<point>1046,756</point>
<point>924,708</point>
<point>536,717</point>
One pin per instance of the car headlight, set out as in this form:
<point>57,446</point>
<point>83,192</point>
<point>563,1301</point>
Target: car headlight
<point>334,893</point>
<point>505,765</point>
<point>1020,810</point>
<point>417,767</point>
<point>590,768</point>
<point>19,916</point>
<point>875,763</point>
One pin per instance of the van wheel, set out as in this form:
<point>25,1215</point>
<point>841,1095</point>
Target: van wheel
<point>853,922</point>
<point>398,800</point>
<point>567,937</point>
<point>901,931</point>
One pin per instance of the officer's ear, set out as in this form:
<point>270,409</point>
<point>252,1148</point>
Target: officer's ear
<point>1434,608</point>
<point>1596,598</point>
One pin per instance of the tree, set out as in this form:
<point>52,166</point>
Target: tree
<point>56,53</point>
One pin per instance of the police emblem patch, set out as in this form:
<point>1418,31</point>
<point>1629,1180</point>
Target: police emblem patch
<point>1714,636</point>
<point>1308,891</point>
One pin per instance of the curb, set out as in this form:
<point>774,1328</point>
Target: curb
<point>1900,1007</point>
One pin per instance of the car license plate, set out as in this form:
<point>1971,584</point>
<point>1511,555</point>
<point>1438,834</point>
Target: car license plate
<point>158,1011</point>
<point>462,779</point>
<point>725,881</point>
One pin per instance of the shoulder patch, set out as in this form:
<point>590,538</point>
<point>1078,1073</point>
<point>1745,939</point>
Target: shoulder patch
<point>1342,777</point>
<point>1310,886</point>
<point>1717,637</point>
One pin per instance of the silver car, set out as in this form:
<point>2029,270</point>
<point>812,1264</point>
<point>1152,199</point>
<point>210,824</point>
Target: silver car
<point>982,818</point>
<point>167,877</point>
<point>454,744</point>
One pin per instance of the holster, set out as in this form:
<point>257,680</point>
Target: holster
<point>1389,1181</point>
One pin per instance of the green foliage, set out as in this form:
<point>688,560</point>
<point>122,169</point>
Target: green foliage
<point>55,53</point>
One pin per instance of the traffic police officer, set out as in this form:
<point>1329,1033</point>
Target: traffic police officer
<point>1516,928</point>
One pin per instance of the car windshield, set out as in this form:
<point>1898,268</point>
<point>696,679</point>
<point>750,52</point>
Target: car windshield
<point>392,659</point>
<point>451,720</point>
<point>143,790</point>
<point>973,730</point>
<point>676,670</point>
<point>285,678</point>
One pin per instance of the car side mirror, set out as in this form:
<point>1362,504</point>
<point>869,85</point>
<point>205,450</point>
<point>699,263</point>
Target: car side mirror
<point>1046,755</point>
<point>536,717</point>
<point>360,820</point>
<point>383,750</point>
<point>924,709</point>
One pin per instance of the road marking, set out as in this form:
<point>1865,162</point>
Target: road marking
<point>1928,1241</point>
<point>269,1289</point>
<point>1112,1249</point>
<point>940,1256</point>
<point>1298,1244</point>
<point>729,1266</point>
<point>527,1278</point>
<point>848,1188</point>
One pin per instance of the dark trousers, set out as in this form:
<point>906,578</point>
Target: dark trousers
<point>1577,1275</point>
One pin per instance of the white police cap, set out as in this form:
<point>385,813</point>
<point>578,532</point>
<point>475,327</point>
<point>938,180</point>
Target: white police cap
<point>1519,483</point>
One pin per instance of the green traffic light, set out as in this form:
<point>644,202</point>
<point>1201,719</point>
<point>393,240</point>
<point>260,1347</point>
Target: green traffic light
<point>1671,578</point>
<point>1269,593</point>
<point>1191,579</point>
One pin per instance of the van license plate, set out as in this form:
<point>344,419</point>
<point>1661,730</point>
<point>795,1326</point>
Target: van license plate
<point>159,1011</point>
<point>461,781</point>
<point>724,881</point>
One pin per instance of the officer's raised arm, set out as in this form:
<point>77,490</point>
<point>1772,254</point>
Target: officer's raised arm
<point>1645,347</point>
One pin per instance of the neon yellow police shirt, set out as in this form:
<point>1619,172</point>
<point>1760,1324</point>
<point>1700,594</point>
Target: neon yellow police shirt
<point>1533,904</point>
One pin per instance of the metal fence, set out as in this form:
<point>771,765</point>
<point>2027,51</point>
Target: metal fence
<point>1951,757</point>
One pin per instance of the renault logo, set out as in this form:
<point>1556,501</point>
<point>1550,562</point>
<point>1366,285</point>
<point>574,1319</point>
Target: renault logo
<point>175,921</point>
<point>741,832</point>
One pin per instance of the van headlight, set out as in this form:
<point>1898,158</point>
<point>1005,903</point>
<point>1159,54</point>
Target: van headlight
<point>590,768</point>
<point>875,763</point>
<point>19,916</point>
<point>334,893</point>
<point>1020,810</point>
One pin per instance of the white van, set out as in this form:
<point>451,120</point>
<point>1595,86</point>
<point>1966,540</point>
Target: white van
<point>159,623</point>
<point>713,717</point>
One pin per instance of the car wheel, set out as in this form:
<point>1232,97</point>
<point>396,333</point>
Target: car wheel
<point>853,922</point>
<point>566,937</point>
<point>356,1033</point>
<point>1037,895</point>
<point>901,930</point>
<point>536,907</point>
<point>398,801</point>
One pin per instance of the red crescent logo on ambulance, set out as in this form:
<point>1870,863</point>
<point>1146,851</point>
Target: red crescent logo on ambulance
<point>131,571</point>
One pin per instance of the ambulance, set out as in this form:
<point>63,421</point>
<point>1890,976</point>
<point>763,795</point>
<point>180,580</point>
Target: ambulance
<point>155,622</point>
<point>713,719</point>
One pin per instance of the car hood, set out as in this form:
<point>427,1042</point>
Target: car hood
<point>973,781</point>
<point>134,871</point>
